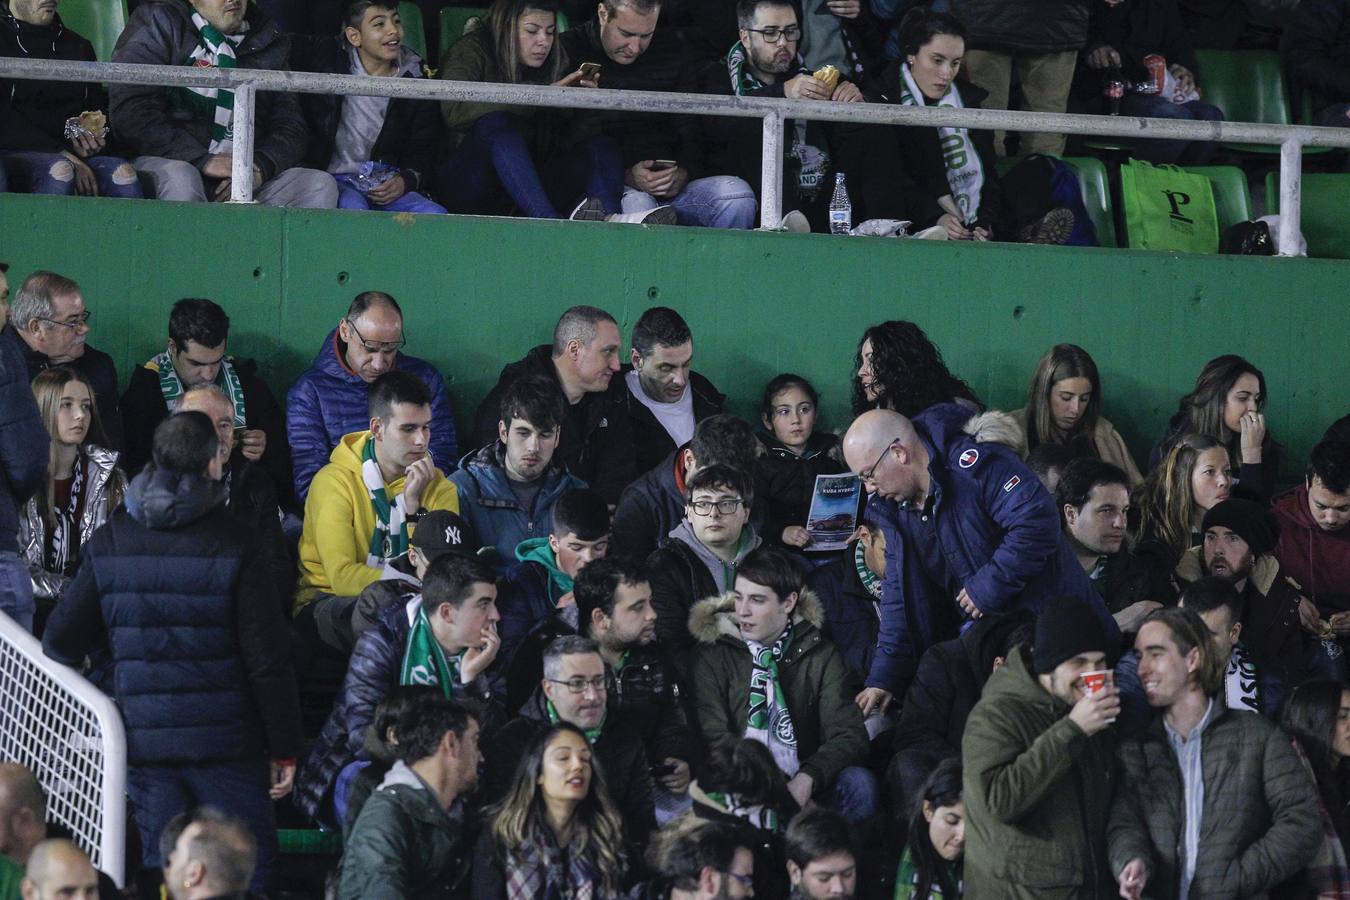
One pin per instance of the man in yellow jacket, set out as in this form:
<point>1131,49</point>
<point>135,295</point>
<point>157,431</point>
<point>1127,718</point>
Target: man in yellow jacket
<point>364,504</point>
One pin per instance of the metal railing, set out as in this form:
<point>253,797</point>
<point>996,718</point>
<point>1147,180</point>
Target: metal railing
<point>245,83</point>
<point>70,735</point>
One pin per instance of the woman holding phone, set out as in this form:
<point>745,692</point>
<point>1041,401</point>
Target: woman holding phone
<point>516,156</point>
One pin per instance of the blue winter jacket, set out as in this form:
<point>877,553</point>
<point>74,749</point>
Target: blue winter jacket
<point>23,447</point>
<point>997,530</point>
<point>488,504</point>
<point>329,401</point>
<point>200,653</point>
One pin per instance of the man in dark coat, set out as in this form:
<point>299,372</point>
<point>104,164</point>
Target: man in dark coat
<point>183,137</point>
<point>23,468</point>
<point>199,651</point>
<point>597,441</point>
<point>33,114</point>
<point>970,532</point>
<point>198,353</point>
<point>48,315</point>
<point>1213,802</point>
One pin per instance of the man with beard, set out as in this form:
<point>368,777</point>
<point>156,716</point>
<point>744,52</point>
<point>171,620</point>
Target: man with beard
<point>765,62</point>
<point>1239,542</point>
<point>613,607</point>
<point>197,355</point>
<point>1314,545</point>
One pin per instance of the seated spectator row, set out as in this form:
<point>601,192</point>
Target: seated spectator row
<point>399,155</point>
<point>627,595</point>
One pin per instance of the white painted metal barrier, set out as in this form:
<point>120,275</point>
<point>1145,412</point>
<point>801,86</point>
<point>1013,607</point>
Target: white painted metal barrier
<point>70,735</point>
<point>773,111</point>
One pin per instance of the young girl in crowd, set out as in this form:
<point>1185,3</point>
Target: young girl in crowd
<point>83,486</point>
<point>1226,404</point>
<point>899,368</point>
<point>796,454</point>
<point>518,150</point>
<point>557,833</point>
<point>931,865</point>
<point>1064,405</point>
<point>1172,502</point>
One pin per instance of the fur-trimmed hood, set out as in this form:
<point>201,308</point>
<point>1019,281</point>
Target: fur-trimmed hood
<point>997,427</point>
<point>1266,568</point>
<point>715,617</point>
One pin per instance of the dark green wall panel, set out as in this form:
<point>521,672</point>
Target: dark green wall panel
<point>479,291</point>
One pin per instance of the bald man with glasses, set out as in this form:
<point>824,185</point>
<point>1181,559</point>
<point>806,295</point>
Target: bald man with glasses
<point>329,400</point>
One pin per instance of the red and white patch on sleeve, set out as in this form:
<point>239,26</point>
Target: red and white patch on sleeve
<point>1011,483</point>
<point>969,458</point>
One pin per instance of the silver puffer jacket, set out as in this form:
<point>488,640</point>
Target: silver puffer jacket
<point>102,478</point>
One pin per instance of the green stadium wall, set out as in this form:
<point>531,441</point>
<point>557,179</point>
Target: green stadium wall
<point>478,292</point>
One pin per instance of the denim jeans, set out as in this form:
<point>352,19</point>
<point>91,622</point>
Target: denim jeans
<point>719,201</point>
<point>855,794</point>
<point>350,197</point>
<point>495,158</point>
<point>1160,152</point>
<point>16,589</point>
<point>52,173</point>
<point>158,793</point>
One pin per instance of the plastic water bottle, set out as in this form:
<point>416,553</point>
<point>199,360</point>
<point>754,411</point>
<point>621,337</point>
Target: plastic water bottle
<point>841,210</point>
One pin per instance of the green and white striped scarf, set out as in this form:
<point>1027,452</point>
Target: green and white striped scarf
<point>965,172</point>
<point>871,581</point>
<point>171,386</point>
<point>215,49</point>
<point>424,661</point>
<point>809,156</point>
<point>769,721</point>
<point>390,539</point>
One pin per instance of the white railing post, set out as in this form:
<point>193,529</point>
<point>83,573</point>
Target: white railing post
<point>1291,195</point>
<point>241,166</point>
<point>771,172</point>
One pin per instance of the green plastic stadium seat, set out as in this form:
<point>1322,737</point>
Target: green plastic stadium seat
<point>99,21</point>
<point>1232,198</point>
<point>1095,187</point>
<point>1096,190</point>
<point>1249,86</point>
<point>1326,197</point>
<point>414,31</point>
<point>455,21</point>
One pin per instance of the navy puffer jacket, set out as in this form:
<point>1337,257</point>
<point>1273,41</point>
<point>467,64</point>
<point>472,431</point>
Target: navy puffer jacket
<point>201,661</point>
<point>997,532</point>
<point>329,401</point>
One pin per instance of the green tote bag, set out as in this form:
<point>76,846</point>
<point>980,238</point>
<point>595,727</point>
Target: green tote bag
<point>1168,208</point>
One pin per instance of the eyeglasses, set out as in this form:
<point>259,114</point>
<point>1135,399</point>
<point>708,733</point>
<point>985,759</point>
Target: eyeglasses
<point>579,685</point>
<point>773,34</point>
<point>83,320</point>
<point>870,472</point>
<point>745,880</point>
<point>386,347</point>
<point>726,506</point>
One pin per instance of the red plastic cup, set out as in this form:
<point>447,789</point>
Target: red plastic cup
<point>1157,69</point>
<point>1096,680</point>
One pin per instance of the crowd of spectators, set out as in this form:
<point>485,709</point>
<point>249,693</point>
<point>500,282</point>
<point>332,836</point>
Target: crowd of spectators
<point>461,156</point>
<point>558,676</point>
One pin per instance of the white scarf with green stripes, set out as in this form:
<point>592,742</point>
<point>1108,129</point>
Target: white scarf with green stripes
<point>216,49</point>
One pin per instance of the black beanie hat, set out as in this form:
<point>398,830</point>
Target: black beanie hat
<point>1253,522</point>
<point>1066,627</point>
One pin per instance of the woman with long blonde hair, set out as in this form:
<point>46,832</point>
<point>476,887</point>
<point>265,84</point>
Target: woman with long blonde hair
<point>1064,406</point>
<point>556,835</point>
<point>1171,503</point>
<point>83,485</point>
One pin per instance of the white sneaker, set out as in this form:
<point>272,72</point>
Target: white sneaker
<point>661,215</point>
<point>588,210</point>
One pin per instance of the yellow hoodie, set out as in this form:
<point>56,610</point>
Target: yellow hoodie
<point>339,520</point>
